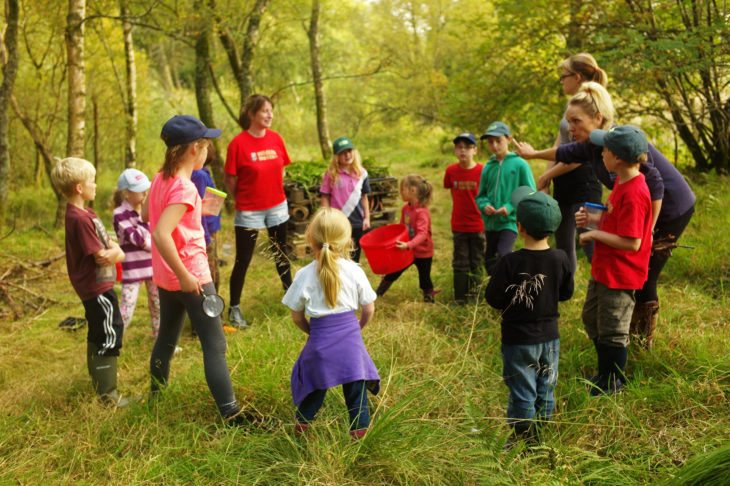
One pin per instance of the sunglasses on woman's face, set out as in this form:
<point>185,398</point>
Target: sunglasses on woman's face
<point>563,76</point>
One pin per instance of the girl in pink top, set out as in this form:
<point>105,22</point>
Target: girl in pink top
<point>180,264</point>
<point>345,186</point>
<point>416,192</point>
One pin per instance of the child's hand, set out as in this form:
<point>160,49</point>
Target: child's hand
<point>581,218</point>
<point>366,223</point>
<point>104,258</point>
<point>524,149</point>
<point>543,183</point>
<point>190,284</point>
<point>502,211</point>
<point>401,245</point>
<point>489,210</point>
<point>586,237</point>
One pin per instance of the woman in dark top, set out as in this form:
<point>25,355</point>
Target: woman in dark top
<point>575,188</point>
<point>672,199</point>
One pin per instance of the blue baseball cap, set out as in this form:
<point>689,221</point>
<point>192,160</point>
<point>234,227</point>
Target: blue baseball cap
<point>626,141</point>
<point>496,129</point>
<point>467,137</point>
<point>182,129</point>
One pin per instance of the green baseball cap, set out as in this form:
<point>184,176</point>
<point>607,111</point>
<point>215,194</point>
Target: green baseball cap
<point>626,141</point>
<point>496,129</point>
<point>342,144</point>
<point>537,212</point>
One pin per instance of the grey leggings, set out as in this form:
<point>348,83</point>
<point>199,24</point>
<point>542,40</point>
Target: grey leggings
<point>565,234</point>
<point>173,305</point>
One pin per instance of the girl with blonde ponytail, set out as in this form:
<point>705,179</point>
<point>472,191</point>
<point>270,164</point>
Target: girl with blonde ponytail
<point>323,299</point>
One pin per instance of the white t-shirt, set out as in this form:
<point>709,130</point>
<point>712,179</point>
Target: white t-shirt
<point>306,291</point>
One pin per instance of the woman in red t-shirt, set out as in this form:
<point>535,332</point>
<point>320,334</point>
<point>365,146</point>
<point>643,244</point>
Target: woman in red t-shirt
<point>255,175</point>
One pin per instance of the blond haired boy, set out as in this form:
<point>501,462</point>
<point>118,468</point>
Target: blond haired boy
<point>90,259</point>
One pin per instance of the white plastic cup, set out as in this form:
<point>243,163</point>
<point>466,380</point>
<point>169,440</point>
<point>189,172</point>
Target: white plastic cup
<point>595,213</point>
<point>213,201</point>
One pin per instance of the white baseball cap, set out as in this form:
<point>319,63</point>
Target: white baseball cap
<point>133,180</point>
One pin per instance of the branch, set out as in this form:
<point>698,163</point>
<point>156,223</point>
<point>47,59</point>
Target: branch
<point>220,93</point>
<point>327,78</point>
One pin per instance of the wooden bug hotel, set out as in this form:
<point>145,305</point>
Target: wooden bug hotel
<point>302,192</point>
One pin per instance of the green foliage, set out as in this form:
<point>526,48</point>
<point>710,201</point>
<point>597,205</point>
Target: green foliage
<point>439,418</point>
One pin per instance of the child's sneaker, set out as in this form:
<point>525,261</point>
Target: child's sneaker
<point>235,318</point>
<point>429,295</point>
<point>358,434</point>
<point>300,428</point>
<point>114,399</point>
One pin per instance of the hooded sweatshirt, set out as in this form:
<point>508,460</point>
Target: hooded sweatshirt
<point>498,181</point>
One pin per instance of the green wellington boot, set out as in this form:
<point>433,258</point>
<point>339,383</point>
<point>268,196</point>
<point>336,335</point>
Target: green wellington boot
<point>103,372</point>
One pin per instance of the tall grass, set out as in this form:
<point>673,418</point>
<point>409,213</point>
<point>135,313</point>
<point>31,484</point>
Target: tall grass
<point>439,418</point>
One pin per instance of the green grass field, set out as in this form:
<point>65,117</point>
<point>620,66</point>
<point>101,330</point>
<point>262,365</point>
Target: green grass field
<point>439,418</point>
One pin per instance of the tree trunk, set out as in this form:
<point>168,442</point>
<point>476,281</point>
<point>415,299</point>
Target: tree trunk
<point>10,69</point>
<point>321,102</point>
<point>202,86</point>
<point>76,78</point>
<point>130,156</point>
<point>245,78</point>
<point>42,146</point>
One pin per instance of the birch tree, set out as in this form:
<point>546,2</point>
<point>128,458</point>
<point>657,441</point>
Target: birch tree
<point>9,56</point>
<point>76,78</point>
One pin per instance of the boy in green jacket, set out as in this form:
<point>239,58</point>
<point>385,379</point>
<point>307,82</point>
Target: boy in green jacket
<point>505,171</point>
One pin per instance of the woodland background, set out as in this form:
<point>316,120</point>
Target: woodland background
<point>99,78</point>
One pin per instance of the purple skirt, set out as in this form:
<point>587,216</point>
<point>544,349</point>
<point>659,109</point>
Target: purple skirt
<point>335,354</point>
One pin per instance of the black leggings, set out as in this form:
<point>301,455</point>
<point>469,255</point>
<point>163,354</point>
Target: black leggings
<point>424,273</point>
<point>245,244</point>
<point>173,306</point>
<point>675,228</point>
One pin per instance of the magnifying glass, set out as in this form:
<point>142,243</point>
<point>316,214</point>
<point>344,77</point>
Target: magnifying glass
<point>213,305</point>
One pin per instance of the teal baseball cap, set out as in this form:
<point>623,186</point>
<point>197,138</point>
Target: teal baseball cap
<point>536,211</point>
<point>342,144</point>
<point>496,129</point>
<point>626,141</point>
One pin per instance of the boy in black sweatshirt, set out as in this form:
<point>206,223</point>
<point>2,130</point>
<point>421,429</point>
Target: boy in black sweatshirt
<point>526,286</point>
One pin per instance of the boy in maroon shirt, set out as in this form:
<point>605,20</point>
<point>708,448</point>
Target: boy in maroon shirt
<point>90,258</point>
<point>620,262</point>
<point>467,226</point>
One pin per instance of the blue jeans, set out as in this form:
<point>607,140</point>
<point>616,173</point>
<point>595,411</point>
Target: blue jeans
<point>356,398</point>
<point>531,373</point>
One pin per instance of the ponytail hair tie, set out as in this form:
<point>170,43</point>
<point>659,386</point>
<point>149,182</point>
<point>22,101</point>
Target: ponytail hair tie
<point>325,246</point>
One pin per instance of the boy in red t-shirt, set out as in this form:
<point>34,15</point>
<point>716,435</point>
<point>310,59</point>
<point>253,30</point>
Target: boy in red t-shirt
<point>90,258</point>
<point>620,262</point>
<point>467,225</point>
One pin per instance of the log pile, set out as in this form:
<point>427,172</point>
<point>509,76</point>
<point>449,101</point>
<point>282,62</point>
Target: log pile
<point>304,201</point>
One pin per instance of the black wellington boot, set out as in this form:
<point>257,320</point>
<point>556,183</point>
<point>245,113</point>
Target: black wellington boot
<point>461,287</point>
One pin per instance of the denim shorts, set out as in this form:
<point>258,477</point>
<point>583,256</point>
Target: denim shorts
<point>265,218</point>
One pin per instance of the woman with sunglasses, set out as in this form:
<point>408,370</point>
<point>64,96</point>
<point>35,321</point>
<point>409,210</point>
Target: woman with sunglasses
<point>579,184</point>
